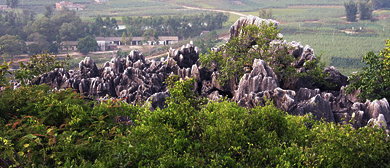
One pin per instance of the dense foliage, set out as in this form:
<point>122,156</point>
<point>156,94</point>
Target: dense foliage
<point>206,41</point>
<point>12,45</point>
<point>184,26</point>
<point>38,64</point>
<point>374,79</point>
<point>351,9</point>
<point>46,32</point>
<point>87,44</point>
<point>366,8</point>
<point>42,127</point>
<point>238,52</point>
<point>256,42</point>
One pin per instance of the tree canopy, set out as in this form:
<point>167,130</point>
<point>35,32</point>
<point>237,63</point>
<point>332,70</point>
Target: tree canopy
<point>366,8</point>
<point>12,3</point>
<point>12,45</point>
<point>87,44</point>
<point>255,42</point>
<point>351,9</point>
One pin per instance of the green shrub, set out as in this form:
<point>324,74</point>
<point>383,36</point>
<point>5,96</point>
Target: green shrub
<point>39,64</point>
<point>254,42</point>
<point>373,80</point>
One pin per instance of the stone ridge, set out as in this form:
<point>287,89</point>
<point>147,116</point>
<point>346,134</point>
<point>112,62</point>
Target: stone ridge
<point>139,80</point>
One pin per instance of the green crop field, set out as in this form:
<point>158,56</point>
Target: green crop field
<point>318,23</point>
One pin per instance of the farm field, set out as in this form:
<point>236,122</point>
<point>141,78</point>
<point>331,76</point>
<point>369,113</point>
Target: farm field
<point>163,7</point>
<point>318,23</point>
<point>342,43</point>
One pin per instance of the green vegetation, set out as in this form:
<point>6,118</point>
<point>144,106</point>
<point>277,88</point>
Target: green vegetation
<point>238,52</point>
<point>351,9</point>
<point>87,44</point>
<point>41,127</point>
<point>373,80</point>
<point>12,45</point>
<point>206,41</point>
<point>254,42</point>
<point>183,26</point>
<point>45,33</point>
<point>38,64</point>
<point>365,8</point>
<point>12,3</point>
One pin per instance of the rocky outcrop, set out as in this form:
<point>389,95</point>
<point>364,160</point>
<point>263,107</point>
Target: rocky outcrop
<point>88,68</point>
<point>157,100</point>
<point>133,77</point>
<point>236,28</point>
<point>262,78</point>
<point>335,79</point>
<point>138,80</point>
<point>319,107</point>
<point>185,57</point>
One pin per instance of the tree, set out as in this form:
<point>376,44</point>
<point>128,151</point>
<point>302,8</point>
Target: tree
<point>68,32</point>
<point>87,44</point>
<point>366,8</point>
<point>149,35</point>
<point>208,41</point>
<point>34,49</point>
<point>48,11</point>
<point>46,27</point>
<point>235,54</point>
<point>12,45</point>
<point>40,40</point>
<point>124,38</point>
<point>27,16</point>
<point>351,11</point>
<point>266,14</point>
<point>374,79</point>
<point>12,3</point>
<point>255,42</point>
<point>378,4</point>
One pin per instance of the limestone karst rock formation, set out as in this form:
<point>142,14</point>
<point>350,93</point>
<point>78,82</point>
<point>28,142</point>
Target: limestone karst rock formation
<point>139,80</point>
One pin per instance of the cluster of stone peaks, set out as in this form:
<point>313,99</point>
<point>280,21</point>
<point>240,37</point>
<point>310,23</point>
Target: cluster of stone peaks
<point>138,80</point>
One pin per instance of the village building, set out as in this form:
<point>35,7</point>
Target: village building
<point>112,43</point>
<point>101,1</point>
<point>204,32</point>
<point>4,7</point>
<point>68,45</point>
<point>69,5</point>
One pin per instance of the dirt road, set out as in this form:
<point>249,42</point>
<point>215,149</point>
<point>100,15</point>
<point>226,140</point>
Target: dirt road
<point>214,10</point>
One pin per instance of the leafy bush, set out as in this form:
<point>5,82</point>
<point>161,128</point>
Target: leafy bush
<point>235,54</point>
<point>255,42</point>
<point>373,80</point>
<point>61,129</point>
<point>4,71</point>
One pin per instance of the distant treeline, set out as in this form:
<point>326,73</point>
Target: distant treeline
<point>184,26</point>
<point>54,26</point>
<point>64,25</point>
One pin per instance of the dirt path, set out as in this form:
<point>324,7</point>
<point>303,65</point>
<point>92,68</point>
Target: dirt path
<point>215,10</point>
